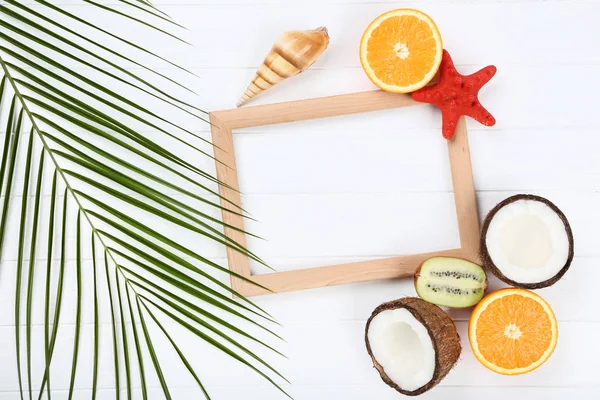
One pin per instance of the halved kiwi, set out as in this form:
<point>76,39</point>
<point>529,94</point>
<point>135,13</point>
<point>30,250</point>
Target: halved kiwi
<point>527,242</point>
<point>450,282</point>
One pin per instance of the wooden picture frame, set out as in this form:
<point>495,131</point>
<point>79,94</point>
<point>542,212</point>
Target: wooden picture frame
<point>223,123</point>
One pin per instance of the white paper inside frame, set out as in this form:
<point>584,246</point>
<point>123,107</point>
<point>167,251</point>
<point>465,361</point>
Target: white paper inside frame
<point>349,188</point>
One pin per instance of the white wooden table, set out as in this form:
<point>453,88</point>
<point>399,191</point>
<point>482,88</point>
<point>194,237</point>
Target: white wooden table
<point>375,185</point>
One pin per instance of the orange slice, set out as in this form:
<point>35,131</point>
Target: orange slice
<point>513,331</point>
<point>401,50</point>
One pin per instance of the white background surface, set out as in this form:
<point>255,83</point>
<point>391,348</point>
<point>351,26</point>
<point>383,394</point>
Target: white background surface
<point>377,185</point>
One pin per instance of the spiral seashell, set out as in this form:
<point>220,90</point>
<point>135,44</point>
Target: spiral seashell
<point>292,53</point>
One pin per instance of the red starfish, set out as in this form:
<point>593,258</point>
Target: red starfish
<point>456,95</point>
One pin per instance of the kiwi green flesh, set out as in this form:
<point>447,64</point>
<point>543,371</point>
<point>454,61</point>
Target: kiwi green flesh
<point>451,282</point>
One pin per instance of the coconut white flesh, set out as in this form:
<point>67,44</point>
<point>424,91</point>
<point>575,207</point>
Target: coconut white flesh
<point>403,347</point>
<point>527,241</point>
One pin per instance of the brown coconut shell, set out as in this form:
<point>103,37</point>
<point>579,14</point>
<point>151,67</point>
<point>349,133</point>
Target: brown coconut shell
<point>442,331</point>
<point>487,260</point>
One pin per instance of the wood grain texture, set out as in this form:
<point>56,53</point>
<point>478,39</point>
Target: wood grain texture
<point>301,110</point>
<point>226,171</point>
<point>396,267</point>
<point>342,274</point>
<point>464,191</point>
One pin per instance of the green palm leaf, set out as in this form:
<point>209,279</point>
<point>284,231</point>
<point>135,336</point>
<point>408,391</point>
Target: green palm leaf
<point>48,278</point>
<point>133,19</point>
<point>88,41</point>
<point>78,310</point>
<point>20,261</point>
<point>123,192</point>
<point>50,342</point>
<point>107,33</point>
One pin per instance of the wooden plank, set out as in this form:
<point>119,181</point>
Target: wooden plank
<point>226,172</point>
<point>464,191</point>
<point>301,110</point>
<point>342,274</point>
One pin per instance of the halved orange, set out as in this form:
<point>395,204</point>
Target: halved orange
<point>401,50</point>
<point>513,331</point>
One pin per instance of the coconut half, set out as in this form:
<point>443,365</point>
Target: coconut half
<point>527,242</point>
<point>413,344</point>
